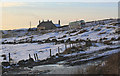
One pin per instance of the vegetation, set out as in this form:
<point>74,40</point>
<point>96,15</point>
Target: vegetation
<point>111,65</point>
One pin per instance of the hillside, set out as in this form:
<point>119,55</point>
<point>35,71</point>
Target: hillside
<point>64,47</point>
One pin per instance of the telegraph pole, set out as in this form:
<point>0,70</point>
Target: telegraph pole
<point>30,24</point>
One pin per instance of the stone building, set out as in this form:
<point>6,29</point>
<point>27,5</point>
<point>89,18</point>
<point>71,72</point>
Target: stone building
<point>47,25</point>
<point>77,24</point>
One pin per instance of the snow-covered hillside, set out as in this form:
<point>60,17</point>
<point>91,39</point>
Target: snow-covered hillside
<point>21,47</point>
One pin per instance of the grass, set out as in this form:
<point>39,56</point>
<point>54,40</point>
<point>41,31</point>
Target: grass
<point>71,32</point>
<point>108,27</point>
<point>62,37</point>
<point>97,29</point>
<point>70,50</point>
<point>111,66</point>
<point>101,33</point>
<point>6,35</point>
<point>82,31</point>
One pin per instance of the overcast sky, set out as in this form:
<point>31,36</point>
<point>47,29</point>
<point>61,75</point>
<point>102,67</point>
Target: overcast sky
<point>19,14</point>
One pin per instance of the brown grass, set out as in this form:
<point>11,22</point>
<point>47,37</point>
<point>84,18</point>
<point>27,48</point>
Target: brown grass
<point>71,32</point>
<point>82,31</point>
<point>6,35</point>
<point>101,33</point>
<point>71,50</point>
<point>112,66</point>
<point>92,29</point>
<point>110,27</point>
<point>108,42</point>
<point>62,37</point>
<point>97,29</point>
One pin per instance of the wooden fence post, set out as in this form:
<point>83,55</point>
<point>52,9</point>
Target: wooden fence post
<point>58,50</point>
<point>50,53</point>
<point>65,46</point>
<point>34,57</point>
<point>9,57</point>
<point>70,45</point>
<point>30,39</point>
<point>14,41</point>
<point>29,56</point>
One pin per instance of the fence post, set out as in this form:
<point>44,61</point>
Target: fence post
<point>58,50</point>
<point>30,39</point>
<point>9,57</point>
<point>65,46</point>
<point>70,45</point>
<point>50,53</point>
<point>34,57</point>
<point>29,56</point>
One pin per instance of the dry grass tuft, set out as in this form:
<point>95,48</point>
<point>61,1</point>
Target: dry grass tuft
<point>101,33</point>
<point>111,66</point>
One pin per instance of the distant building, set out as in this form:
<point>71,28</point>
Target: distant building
<point>47,25</point>
<point>77,24</point>
<point>32,29</point>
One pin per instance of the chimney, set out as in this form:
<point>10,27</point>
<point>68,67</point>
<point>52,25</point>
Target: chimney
<point>59,22</point>
<point>50,20</point>
<point>39,21</point>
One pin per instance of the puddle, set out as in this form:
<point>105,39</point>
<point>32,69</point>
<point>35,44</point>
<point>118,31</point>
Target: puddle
<point>46,67</point>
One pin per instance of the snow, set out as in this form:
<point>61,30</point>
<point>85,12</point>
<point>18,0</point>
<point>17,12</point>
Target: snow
<point>92,49</point>
<point>99,55</point>
<point>57,25</point>
<point>6,67</point>
<point>22,51</point>
<point>91,34</point>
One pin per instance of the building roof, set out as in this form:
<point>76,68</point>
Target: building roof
<point>45,23</point>
<point>82,21</point>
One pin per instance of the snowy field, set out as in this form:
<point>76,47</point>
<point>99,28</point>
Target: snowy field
<point>22,51</point>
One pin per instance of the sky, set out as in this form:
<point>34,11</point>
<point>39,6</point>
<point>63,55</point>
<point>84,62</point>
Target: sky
<point>60,0</point>
<point>17,15</point>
